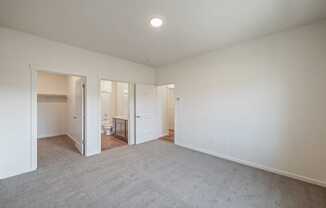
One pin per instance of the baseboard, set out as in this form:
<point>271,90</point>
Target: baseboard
<point>76,142</point>
<point>162,136</point>
<point>50,135</point>
<point>16,173</point>
<point>89,154</point>
<point>258,166</point>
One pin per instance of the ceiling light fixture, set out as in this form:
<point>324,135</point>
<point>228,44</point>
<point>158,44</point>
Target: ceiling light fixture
<point>156,22</point>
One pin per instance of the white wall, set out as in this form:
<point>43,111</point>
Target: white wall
<point>108,100</point>
<point>114,100</point>
<point>18,50</point>
<point>107,107</point>
<point>51,116</point>
<point>162,113</point>
<point>165,114</point>
<point>54,84</point>
<point>122,99</point>
<point>261,102</point>
<point>51,110</point>
<point>74,111</point>
<point>170,107</point>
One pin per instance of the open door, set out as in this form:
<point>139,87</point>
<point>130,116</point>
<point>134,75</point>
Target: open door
<point>79,115</point>
<point>145,113</point>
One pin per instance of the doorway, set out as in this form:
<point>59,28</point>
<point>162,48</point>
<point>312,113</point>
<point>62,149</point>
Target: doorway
<point>155,112</point>
<point>166,112</point>
<point>114,114</point>
<point>58,117</point>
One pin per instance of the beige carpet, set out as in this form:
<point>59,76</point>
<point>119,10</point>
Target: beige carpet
<point>157,174</point>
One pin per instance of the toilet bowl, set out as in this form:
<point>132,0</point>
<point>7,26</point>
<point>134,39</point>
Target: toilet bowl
<point>107,129</point>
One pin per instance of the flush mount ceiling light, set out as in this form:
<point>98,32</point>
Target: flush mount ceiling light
<point>156,22</point>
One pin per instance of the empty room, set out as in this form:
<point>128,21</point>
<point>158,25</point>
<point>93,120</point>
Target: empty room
<point>153,103</point>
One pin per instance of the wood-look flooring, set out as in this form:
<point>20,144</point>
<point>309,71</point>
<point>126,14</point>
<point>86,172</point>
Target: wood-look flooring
<point>169,137</point>
<point>110,142</point>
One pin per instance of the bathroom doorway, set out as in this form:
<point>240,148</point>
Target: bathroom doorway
<point>166,111</point>
<point>114,114</point>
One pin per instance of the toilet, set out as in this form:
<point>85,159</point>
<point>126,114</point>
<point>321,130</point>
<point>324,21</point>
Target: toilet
<point>107,125</point>
<point>107,128</point>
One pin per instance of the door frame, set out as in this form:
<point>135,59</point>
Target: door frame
<point>176,99</point>
<point>131,109</point>
<point>35,69</point>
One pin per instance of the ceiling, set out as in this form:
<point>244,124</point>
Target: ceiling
<point>121,27</point>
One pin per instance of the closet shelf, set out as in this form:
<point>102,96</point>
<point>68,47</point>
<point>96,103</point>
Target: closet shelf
<point>52,95</point>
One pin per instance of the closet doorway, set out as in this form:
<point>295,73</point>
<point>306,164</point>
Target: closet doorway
<point>59,114</point>
<point>115,123</point>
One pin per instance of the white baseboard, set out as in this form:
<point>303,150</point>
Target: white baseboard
<point>16,173</point>
<point>76,142</point>
<point>258,166</point>
<point>162,135</point>
<point>50,135</point>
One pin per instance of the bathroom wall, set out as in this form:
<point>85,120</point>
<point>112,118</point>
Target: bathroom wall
<point>122,101</point>
<point>108,103</point>
<point>114,99</point>
<point>51,108</point>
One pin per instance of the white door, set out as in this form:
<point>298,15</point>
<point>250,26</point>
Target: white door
<point>146,106</point>
<point>79,115</point>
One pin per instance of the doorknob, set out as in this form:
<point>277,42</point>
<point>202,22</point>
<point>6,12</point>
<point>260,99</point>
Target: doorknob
<point>75,117</point>
<point>137,116</point>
